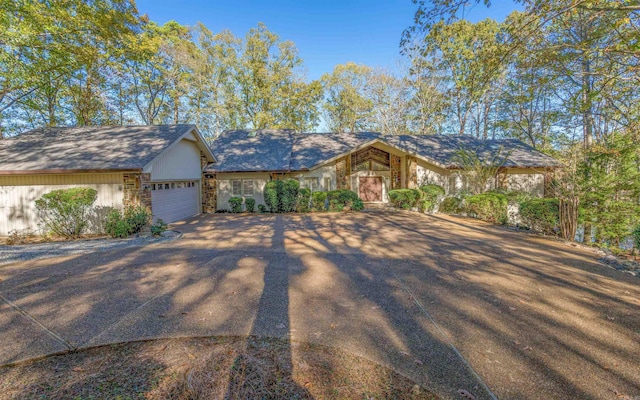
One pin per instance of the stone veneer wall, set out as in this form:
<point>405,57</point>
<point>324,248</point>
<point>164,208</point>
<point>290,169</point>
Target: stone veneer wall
<point>209,194</point>
<point>396,172</point>
<point>412,172</point>
<point>343,171</point>
<point>136,190</point>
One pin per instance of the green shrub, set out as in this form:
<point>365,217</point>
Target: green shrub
<point>250,204</point>
<point>541,215</point>
<point>115,225</point>
<point>262,208</point>
<point>636,237</point>
<point>304,198</point>
<point>65,212</point>
<point>271,195</point>
<point>121,225</point>
<point>339,199</point>
<point>236,204</point>
<point>490,207</point>
<point>137,218</point>
<point>430,196</point>
<point>158,227</point>
<point>318,200</point>
<point>289,196</point>
<point>281,195</point>
<point>451,205</point>
<point>405,198</point>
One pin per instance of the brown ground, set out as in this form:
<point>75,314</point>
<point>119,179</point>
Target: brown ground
<point>206,368</point>
<point>532,318</point>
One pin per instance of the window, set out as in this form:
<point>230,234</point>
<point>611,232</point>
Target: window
<point>311,183</point>
<point>327,184</point>
<point>242,187</point>
<point>247,187</point>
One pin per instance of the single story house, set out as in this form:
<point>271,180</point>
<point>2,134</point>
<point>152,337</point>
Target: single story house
<point>158,167</point>
<point>369,163</point>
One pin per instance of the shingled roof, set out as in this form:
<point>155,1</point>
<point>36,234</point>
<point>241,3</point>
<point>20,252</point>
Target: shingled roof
<point>270,150</point>
<point>101,148</point>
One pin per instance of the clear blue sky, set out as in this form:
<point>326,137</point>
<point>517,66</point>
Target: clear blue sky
<point>326,32</point>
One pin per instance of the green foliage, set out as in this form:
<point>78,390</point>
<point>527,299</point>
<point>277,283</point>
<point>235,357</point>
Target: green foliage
<point>281,196</point>
<point>115,225</point>
<point>236,204</point>
<point>121,225</point>
<point>341,198</point>
<point>318,200</point>
<point>431,193</point>
<point>250,204</point>
<point>451,205</point>
<point>636,237</point>
<point>137,218</point>
<point>405,198</point>
<point>158,227</point>
<point>262,208</point>
<point>65,212</point>
<point>271,196</point>
<point>304,198</point>
<point>541,215</point>
<point>610,180</point>
<point>289,195</point>
<point>490,207</point>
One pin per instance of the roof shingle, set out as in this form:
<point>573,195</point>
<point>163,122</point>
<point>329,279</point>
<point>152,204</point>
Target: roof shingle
<point>87,148</point>
<point>286,151</point>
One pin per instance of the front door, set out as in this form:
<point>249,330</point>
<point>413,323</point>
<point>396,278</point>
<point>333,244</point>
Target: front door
<point>371,188</point>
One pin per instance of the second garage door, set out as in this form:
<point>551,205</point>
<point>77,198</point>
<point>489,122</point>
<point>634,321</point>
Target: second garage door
<point>174,201</point>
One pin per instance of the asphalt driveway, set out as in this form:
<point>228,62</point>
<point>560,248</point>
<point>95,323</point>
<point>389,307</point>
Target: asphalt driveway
<point>452,303</point>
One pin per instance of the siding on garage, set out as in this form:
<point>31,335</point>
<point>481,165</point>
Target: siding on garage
<point>260,179</point>
<point>180,162</point>
<point>19,192</point>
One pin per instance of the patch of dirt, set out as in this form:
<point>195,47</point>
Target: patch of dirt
<point>207,368</point>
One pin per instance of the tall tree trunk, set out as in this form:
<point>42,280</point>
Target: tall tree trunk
<point>587,103</point>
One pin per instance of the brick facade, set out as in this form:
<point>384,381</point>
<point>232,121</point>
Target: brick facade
<point>209,194</point>
<point>137,191</point>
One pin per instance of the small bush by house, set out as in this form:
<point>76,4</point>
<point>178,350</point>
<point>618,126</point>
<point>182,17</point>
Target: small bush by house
<point>250,204</point>
<point>451,205</point>
<point>344,198</point>
<point>541,215</point>
<point>281,196</point>
<point>318,201</point>
<point>431,195</point>
<point>132,221</point>
<point>405,198</point>
<point>65,212</point>
<point>490,207</point>
<point>236,204</point>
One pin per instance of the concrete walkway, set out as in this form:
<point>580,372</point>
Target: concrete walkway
<point>453,304</point>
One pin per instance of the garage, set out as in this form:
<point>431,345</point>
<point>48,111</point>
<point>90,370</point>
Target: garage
<point>157,167</point>
<point>174,201</point>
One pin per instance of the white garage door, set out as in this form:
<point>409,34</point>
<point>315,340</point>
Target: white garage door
<point>174,201</point>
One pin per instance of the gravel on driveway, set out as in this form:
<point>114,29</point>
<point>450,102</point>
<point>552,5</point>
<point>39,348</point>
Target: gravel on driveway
<point>453,304</point>
<point>26,252</point>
